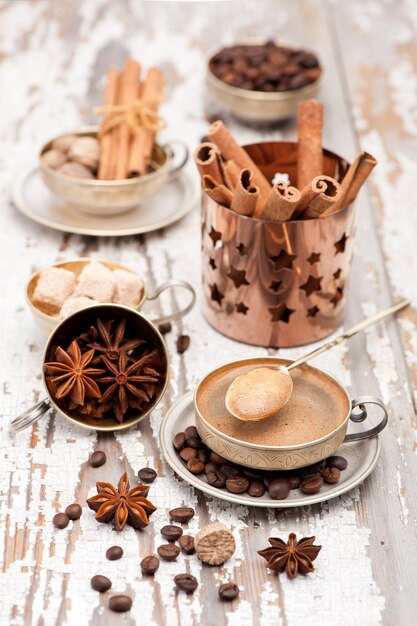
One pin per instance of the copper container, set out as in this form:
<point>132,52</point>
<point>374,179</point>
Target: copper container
<point>276,284</point>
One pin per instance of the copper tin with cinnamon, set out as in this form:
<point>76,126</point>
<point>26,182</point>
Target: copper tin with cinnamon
<point>276,284</point>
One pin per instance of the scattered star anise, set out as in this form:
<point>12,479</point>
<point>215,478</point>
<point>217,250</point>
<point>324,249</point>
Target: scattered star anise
<point>112,344</point>
<point>294,556</point>
<point>70,375</point>
<point>122,505</point>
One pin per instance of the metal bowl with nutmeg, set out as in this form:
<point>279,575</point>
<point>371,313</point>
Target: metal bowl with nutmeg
<point>68,166</point>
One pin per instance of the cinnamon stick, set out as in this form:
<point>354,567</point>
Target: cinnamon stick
<point>281,203</point>
<point>128,93</point>
<point>246,195</point>
<point>217,192</point>
<point>318,196</point>
<point>144,139</point>
<point>230,150</point>
<point>209,162</point>
<point>354,178</point>
<point>232,171</point>
<point>310,151</point>
<point>107,165</point>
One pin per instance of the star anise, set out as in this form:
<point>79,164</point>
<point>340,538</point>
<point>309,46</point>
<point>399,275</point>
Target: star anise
<point>294,556</point>
<point>122,505</point>
<point>113,343</point>
<point>71,376</point>
<point>130,383</point>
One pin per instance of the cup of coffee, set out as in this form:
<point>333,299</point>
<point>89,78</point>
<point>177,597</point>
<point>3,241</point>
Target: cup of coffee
<point>104,368</point>
<point>309,428</point>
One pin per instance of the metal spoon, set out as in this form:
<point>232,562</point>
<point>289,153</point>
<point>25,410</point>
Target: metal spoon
<point>263,391</point>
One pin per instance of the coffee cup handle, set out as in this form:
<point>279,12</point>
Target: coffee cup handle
<point>29,417</point>
<point>179,158</point>
<point>174,284</point>
<point>362,415</point>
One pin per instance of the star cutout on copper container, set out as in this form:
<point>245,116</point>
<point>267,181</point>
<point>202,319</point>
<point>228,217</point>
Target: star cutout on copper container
<point>275,285</point>
<point>337,273</point>
<point>215,236</point>
<point>242,249</point>
<point>312,312</point>
<point>337,297</point>
<point>312,284</point>
<point>341,244</point>
<point>238,277</point>
<point>281,313</point>
<point>314,258</point>
<point>212,264</point>
<point>283,260</point>
<point>216,294</point>
<point>242,308</point>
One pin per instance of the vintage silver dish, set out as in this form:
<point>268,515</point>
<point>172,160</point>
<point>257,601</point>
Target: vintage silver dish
<point>112,197</point>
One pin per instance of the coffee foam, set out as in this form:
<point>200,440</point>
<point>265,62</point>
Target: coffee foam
<point>317,406</point>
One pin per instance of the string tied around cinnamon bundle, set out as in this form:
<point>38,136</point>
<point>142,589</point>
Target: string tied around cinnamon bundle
<point>140,114</point>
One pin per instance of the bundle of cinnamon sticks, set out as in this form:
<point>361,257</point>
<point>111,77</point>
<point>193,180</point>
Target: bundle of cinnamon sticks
<point>130,121</point>
<point>231,178</point>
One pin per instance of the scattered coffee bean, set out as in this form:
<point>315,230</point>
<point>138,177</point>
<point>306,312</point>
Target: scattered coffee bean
<point>195,466</point>
<point>179,441</point>
<point>147,475</point>
<point>97,459</point>
<point>183,343</point>
<point>238,484</point>
<point>331,475</point>
<point>171,532</point>
<point>217,459</point>
<point>60,520</point>
<point>311,485</point>
<point>168,551</point>
<point>114,553</point>
<point>337,461</point>
<point>187,544</point>
<point>165,328</point>
<point>295,481</point>
<point>188,453</point>
<point>74,511</point>
<point>149,565</point>
<point>279,489</point>
<point>256,489</point>
<point>216,479</point>
<point>186,582</point>
<point>182,514</point>
<point>228,591</point>
<point>120,603</point>
<point>100,583</point>
<point>203,455</point>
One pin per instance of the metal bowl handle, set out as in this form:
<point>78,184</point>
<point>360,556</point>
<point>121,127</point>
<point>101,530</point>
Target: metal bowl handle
<point>30,416</point>
<point>174,284</point>
<point>362,415</point>
<point>177,162</point>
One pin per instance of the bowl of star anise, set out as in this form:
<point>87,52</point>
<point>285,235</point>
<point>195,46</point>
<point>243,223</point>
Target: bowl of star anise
<point>105,367</point>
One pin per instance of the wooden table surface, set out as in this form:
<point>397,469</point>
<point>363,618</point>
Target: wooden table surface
<point>53,59</point>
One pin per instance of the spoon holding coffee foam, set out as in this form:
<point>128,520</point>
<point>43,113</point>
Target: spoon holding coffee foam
<point>263,391</point>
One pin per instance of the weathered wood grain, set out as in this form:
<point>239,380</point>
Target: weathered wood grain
<point>53,56</point>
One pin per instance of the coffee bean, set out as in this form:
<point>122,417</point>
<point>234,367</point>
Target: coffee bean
<point>191,431</point>
<point>97,459</point>
<point>229,470</point>
<point>195,466</point>
<point>187,544</point>
<point>238,484</point>
<point>337,461</point>
<point>295,481</point>
<point>100,583</point>
<point>114,553</point>
<point>179,441</point>
<point>216,479</point>
<point>251,474</point>
<point>203,455</point>
<point>120,603</point>
<point>311,470</point>
<point>183,343</point>
<point>194,442</point>
<point>188,453</point>
<point>217,459</point>
<point>186,582</point>
<point>60,520</point>
<point>311,485</point>
<point>210,467</point>
<point>149,565</point>
<point>171,532</point>
<point>168,551</point>
<point>147,475</point>
<point>182,514</point>
<point>165,328</point>
<point>228,591</point>
<point>256,489</point>
<point>279,489</point>
<point>331,475</point>
<point>74,511</point>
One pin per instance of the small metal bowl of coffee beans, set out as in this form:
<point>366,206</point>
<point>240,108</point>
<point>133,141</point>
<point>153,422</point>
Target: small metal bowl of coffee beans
<point>262,81</point>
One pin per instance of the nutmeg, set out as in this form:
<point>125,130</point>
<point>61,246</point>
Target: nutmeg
<point>214,544</point>
<point>64,143</point>
<point>85,150</point>
<point>53,159</point>
<point>76,170</point>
